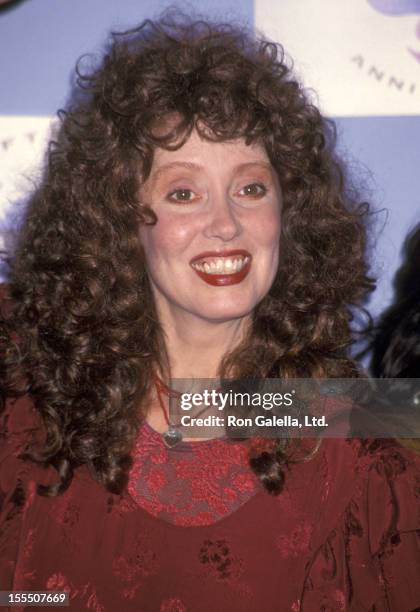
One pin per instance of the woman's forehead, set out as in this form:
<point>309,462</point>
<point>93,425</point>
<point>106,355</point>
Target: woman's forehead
<point>203,150</point>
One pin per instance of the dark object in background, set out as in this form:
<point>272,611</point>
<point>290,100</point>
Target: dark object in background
<point>395,343</point>
<point>396,338</point>
<point>6,5</point>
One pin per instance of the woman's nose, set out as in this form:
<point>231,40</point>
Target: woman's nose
<point>222,222</point>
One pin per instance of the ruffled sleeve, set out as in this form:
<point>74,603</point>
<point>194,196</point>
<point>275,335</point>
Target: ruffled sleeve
<point>370,561</point>
<point>18,425</point>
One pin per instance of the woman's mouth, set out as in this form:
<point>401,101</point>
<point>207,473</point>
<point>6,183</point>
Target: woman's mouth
<point>221,269</point>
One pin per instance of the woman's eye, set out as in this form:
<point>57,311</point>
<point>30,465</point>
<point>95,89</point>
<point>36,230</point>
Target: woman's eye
<point>253,190</point>
<point>182,195</point>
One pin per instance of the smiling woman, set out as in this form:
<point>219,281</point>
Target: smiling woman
<point>192,222</point>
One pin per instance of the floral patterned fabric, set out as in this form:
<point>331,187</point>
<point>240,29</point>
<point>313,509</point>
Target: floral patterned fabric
<point>195,532</point>
<point>193,483</point>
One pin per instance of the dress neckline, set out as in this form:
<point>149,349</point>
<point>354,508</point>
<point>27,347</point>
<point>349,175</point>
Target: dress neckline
<point>194,483</point>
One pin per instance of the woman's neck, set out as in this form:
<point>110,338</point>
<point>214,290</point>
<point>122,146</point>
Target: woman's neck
<point>195,350</point>
<point>196,347</point>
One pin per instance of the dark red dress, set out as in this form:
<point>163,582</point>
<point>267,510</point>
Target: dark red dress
<point>195,532</point>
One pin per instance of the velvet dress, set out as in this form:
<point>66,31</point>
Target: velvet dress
<point>196,532</point>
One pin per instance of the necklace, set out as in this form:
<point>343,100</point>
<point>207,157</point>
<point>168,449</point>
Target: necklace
<point>173,435</point>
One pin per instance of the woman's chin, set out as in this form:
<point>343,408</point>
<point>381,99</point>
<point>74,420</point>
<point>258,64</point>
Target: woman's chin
<point>223,313</point>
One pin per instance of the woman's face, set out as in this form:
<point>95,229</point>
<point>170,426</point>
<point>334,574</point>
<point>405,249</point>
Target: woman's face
<point>213,253</point>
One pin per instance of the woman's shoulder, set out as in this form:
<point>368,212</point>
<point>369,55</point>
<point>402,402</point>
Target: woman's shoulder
<point>377,469</point>
<point>374,483</point>
<point>364,454</point>
<point>368,539</point>
<point>391,491</point>
<point>20,428</point>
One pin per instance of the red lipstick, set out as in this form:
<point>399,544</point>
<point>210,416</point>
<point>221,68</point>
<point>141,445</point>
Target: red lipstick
<point>223,280</point>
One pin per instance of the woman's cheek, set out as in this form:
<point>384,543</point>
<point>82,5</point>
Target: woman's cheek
<point>266,231</point>
<point>175,233</point>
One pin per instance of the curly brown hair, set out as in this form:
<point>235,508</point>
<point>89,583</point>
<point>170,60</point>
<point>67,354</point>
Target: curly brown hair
<point>88,334</point>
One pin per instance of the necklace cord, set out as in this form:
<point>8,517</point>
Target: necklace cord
<point>163,389</point>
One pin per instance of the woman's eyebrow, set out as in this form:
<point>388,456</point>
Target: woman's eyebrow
<point>175,164</point>
<point>196,167</point>
<point>249,165</point>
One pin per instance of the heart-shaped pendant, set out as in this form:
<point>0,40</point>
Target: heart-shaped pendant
<point>172,437</point>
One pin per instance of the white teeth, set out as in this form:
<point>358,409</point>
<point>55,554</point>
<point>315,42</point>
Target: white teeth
<point>221,265</point>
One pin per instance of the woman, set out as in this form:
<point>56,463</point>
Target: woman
<point>192,223</point>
